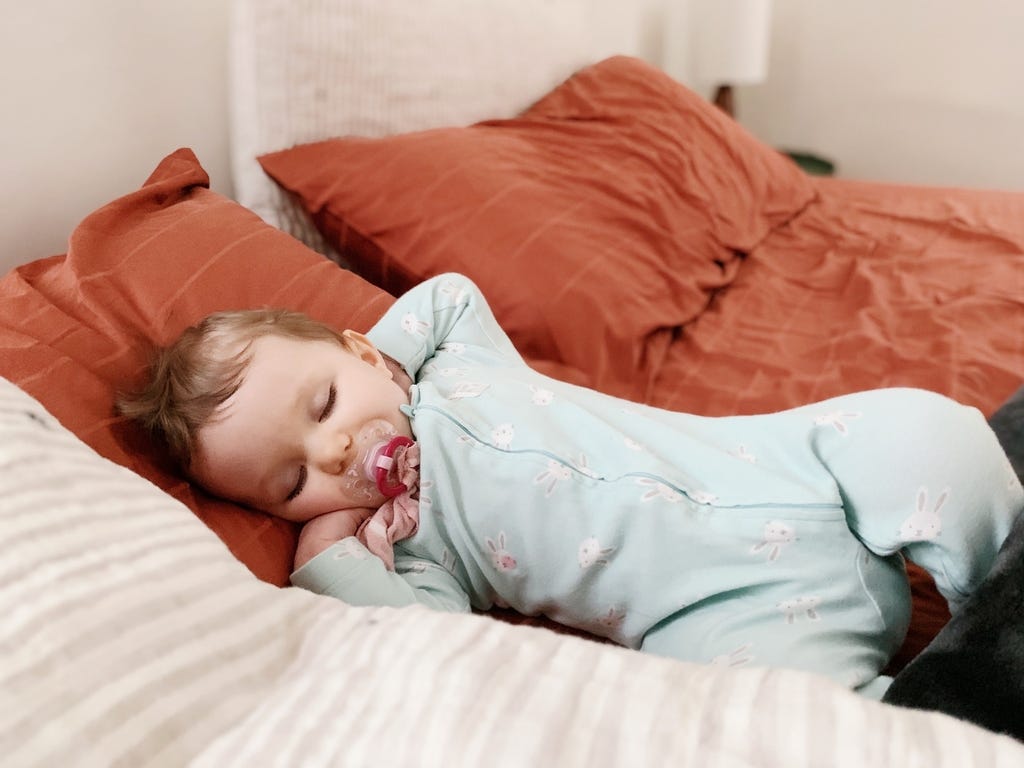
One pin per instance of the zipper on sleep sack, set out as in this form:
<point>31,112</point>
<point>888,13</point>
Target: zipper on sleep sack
<point>410,411</point>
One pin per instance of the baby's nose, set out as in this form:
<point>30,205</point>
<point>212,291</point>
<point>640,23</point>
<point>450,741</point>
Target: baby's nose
<point>332,451</point>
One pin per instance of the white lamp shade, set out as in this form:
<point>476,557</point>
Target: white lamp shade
<point>718,42</point>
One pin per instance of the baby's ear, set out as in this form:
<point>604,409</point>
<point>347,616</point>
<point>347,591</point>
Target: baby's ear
<point>363,348</point>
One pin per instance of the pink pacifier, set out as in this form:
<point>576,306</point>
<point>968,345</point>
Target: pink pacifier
<point>378,462</point>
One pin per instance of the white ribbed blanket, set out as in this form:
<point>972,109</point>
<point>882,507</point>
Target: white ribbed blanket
<point>130,636</point>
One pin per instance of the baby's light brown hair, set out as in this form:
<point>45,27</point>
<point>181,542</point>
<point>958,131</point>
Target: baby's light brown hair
<point>193,377</point>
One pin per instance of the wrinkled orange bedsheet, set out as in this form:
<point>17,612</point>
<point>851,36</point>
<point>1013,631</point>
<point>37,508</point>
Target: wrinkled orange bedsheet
<point>870,286</point>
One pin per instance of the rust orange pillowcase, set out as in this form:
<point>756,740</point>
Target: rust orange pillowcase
<point>76,328</point>
<point>597,223</point>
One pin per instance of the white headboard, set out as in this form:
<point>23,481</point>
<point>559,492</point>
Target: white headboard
<point>304,70</point>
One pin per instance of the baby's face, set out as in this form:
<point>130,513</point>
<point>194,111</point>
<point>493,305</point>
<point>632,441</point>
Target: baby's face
<point>292,440</point>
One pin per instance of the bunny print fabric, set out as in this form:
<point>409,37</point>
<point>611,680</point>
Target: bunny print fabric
<point>769,540</point>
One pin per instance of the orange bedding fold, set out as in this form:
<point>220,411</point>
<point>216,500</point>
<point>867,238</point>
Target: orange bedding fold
<point>871,286</point>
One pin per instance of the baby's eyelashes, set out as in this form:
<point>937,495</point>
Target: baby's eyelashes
<point>299,485</point>
<point>332,396</point>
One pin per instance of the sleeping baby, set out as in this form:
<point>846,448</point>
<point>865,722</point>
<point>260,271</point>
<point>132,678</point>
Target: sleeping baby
<point>429,464</point>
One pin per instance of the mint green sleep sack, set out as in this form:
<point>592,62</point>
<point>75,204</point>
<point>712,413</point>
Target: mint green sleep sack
<point>770,540</point>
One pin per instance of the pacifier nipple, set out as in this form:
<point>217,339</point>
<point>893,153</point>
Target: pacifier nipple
<point>378,463</point>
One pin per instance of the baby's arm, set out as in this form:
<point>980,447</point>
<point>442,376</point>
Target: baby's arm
<point>447,309</point>
<point>322,531</point>
<point>348,571</point>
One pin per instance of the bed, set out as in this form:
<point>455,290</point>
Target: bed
<point>629,236</point>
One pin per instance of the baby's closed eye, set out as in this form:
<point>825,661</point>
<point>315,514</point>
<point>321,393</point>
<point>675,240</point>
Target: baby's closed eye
<point>332,397</point>
<point>300,483</point>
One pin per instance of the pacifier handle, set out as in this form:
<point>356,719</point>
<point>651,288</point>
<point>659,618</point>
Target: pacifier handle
<point>383,464</point>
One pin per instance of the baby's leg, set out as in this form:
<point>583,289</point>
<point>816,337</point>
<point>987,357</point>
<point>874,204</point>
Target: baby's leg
<point>923,474</point>
<point>828,606</point>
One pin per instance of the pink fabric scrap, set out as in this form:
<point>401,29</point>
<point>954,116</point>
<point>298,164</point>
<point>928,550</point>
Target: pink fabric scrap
<point>398,517</point>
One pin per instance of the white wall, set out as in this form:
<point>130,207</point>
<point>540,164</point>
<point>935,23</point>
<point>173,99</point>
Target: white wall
<point>94,93</point>
<point>923,91</point>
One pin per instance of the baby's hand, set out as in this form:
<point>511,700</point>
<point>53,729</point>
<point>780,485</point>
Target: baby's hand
<point>321,532</point>
<point>398,373</point>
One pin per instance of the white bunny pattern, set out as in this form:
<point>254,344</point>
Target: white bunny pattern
<point>502,435</point>
<point>737,657</point>
<point>501,559</point>
<point>837,419</point>
<point>468,389</point>
<point>658,490</point>
<point>800,606</point>
<point>776,535</point>
<point>612,619</point>
<point>415,327</point>
<point>541,395</point>
<point>591,553</point>
<point>555,473</point>
<point>924,524</point>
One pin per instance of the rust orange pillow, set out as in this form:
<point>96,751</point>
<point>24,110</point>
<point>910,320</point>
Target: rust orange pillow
<point>597,223</point>
<point>76,328</point>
